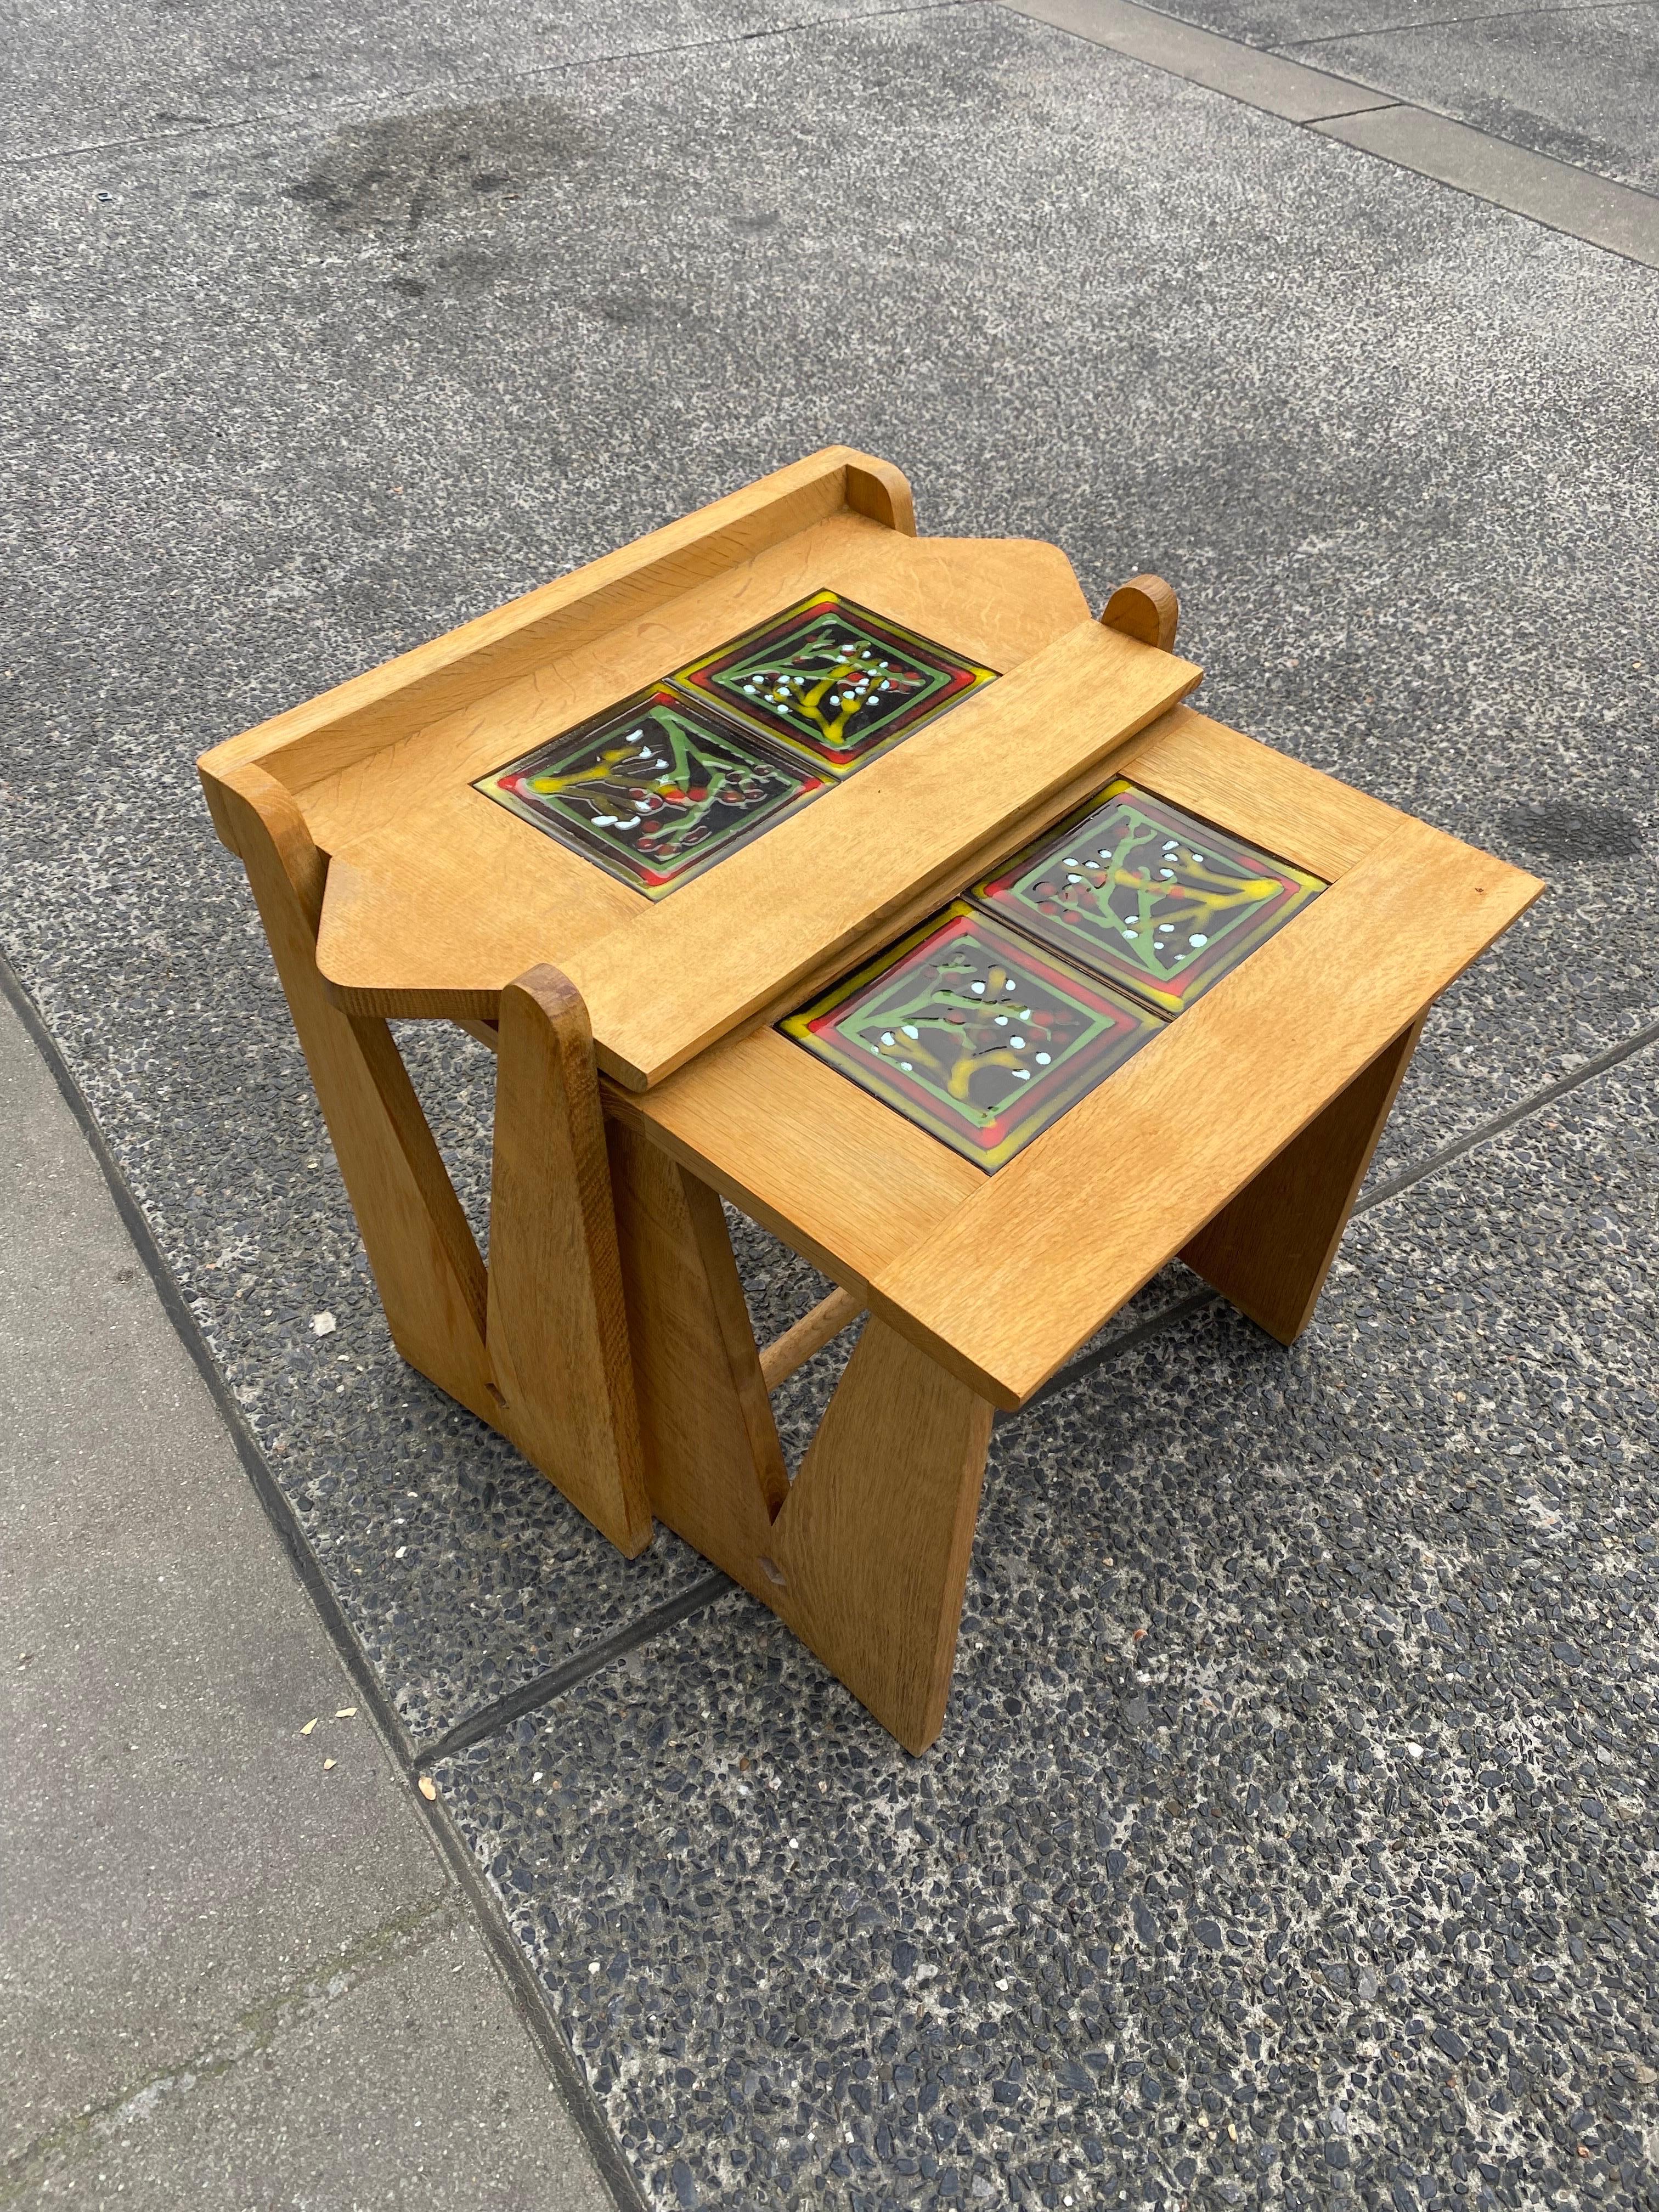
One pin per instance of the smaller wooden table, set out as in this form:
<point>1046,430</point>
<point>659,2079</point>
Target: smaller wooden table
<point>643,1072</point>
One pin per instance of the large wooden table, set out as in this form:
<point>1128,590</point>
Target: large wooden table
<point>641,1074</point>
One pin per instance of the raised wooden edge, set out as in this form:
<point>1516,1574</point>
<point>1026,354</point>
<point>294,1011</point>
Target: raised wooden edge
<point>1145,607</point>
<point>1015,1280</point>
<point>355,718</point>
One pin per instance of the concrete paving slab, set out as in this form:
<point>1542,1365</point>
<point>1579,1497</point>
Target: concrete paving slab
<point>405,2083</point>
<point>281,408</point>
<point>205,1853</point>
<point>1287,88</point>
<point>1580,87</point>
<point>92,75</point>
<point>1291,22</point>
<point>1290,1836</point>
<point>1549,192</point>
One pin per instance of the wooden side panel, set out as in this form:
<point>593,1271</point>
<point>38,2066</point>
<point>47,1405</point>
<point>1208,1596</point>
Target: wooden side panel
<point>371,710</point>
<point>1054,1242</point>
<point>1270,1249</point>
<point>557,1328</point>
<point>873,1543</point>
<point>425,1263</point>
<point>713,1467</point>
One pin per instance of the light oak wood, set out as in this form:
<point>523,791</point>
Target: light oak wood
<point>713,1466</point>
<point>557,1334</point>
<point>1269,1250</point>
<point>383,706</point>
<point>425,1263</point>
<point>839,1176</point>
<point>1299,813</point>
<point>872,1548</point>
<point>1146,607</point>
<point>404,931</point>
<point>780,1359</point>
<point>805,900</point>
<point>1016,1279</point>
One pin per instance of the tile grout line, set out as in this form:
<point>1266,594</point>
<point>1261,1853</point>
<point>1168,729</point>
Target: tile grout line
<point>529,2000</point>
<point>1436,23</point>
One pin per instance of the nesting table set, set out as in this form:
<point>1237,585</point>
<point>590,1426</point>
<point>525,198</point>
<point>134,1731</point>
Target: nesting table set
<point>865,880</point>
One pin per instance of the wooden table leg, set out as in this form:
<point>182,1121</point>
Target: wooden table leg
<point>1269,1251</point>
<point>557,1335</point>
<point>865,1556</point>
<point>427,1265</point>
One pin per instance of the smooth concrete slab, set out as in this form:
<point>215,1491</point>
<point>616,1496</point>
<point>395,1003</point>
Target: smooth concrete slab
<point>1547,191</point>
<point>1290,88</point>
<point>1579,85</point>
<point>1289,23</point>
<point>200,1902</point>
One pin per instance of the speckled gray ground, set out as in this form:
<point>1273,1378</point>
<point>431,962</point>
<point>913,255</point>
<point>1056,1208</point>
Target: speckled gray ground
<point>1292,1831</point>
<point>288,396</point>
<point>1579,82</point>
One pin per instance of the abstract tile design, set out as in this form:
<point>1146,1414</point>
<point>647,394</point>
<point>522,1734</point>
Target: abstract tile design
<point>656,789</point>
<point>835,680</point>
<point>969,1032</point>
<point>1135,890</point>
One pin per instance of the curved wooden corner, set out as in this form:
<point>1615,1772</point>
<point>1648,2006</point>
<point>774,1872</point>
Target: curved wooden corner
<point>881,491</point>
<point>1145,608</point>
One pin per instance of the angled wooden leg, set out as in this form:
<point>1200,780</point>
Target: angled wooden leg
<point>557,1328</point>
<point>873,1541</point>
<point>713,1466</point>
<point>1269,1251</point>
<point>426,1262</point>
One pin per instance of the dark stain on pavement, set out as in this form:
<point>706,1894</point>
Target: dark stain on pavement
<point>1563,830</point>
<point>388,178</point>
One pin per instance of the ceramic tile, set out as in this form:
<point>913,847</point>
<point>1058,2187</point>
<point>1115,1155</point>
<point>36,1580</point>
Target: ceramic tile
<point>1139,892</point>
<point>967,1030</point>
<point>835,680</point>
<point>655,789</point>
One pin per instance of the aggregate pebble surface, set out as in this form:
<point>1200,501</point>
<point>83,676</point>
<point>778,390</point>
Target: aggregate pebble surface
<point>284,397</point>
<point>1294,1834</point>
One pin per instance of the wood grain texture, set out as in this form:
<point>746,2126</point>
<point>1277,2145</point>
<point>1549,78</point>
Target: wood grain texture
<point>557,1334</point>
<point>1296,812</point>
<point>790,909</point>
<point>1146,607</point>
<point>1269,1250</point>
<point>386,704</point>
<point>836,1175</point>
<point>713,1466</point>
<point>404,931</point>
<point>780,1359</point>
<point>426,1264</point>
<point>873,1542</point>
<point>1054,1242</point>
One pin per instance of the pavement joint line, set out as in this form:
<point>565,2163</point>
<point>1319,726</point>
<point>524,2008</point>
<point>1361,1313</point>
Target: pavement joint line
<point>253,2031</point>
<point>1439,24</point>
<point>1599,212</point>
<point>541,1689</point>
<point>529,1999</point>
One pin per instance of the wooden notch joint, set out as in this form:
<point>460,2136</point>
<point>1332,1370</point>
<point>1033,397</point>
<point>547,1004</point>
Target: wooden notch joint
<point>1145,608</point>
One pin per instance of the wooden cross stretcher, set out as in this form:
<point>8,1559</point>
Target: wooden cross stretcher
<point>641,1076</point>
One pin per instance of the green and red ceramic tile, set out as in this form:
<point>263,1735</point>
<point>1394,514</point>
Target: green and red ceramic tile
<point>662,785</point>
<point>654,790</point>
<point>970,1031</point>
<point>834,680</point>
<point>1139,892</point>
